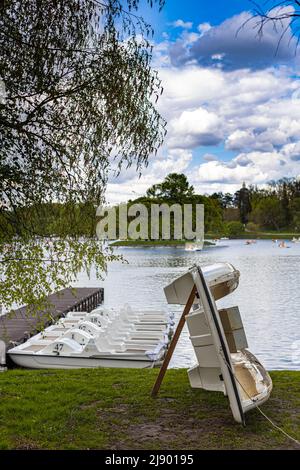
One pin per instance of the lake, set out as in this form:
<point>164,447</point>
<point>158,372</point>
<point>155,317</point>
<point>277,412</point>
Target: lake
<point>268,295</point>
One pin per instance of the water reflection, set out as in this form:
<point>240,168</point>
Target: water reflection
<point>268,296</point>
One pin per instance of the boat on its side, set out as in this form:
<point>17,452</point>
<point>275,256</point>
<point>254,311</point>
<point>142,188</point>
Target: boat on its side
<point>224,361</point>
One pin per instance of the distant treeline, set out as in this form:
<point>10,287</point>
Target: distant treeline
<point>48,220</point>
<point>277,207</point>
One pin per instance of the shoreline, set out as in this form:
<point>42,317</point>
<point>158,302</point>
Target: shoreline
<point>158,243</point>
<point>209,241</point>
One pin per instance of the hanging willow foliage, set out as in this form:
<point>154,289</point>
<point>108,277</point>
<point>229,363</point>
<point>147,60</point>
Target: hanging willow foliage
<point>78,99</point>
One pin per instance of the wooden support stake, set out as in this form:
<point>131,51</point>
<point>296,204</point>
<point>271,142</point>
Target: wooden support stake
<point>173,343</point>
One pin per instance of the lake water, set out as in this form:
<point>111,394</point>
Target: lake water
<point>268,295</point>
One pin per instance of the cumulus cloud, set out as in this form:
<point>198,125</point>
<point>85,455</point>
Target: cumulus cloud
<point>130,186</point>
<point>182,24</point>
<point>251,140</point>
<point>292,151</point>
<point>241,168</point>
<point>210,157</point>
<point>173,160</point>
<point>243,160</point>
<point>249,110</point>
<point>204,27</point>
<point>253,113</point>
<point>255,168</point>
<point>194,128</point>
<point>236,44</point>
<point>239,139</point>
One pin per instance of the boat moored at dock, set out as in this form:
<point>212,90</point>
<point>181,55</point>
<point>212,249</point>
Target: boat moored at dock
<point>101,338</point>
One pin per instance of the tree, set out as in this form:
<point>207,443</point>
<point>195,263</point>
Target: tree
<point>284,192</point>
<point>175,187</point>
<point>244,203</point>
<point>226,200</point>
<point>79,94</point>
<point>282,15</point>
<point>268,213</point>
<point>295,210</point>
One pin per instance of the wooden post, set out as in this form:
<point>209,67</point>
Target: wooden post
<point>173,343</point>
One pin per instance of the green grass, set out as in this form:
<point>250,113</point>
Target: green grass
<point>144,243</point>
<point>268,235</point>
<point>112,409</point>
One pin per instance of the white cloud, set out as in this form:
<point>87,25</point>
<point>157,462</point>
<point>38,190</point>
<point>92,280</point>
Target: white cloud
<point>292,151</point>
<point>255,168</point>
<point>131,186</point>
<point>240,139</point>
<point>195,128</point>
<point>204,27</point>
<point>210,157</point>
<point>237,44</point>
<point>254,113</point>
<point>175,160</point>
<point>251,110</point>
<point>187,88</point>
<point>182,24</point>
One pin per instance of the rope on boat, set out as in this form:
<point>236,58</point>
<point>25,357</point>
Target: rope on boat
<point>278,428</point>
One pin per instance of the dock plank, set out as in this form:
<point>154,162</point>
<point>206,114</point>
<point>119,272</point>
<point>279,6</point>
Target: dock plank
<point>22,324</point>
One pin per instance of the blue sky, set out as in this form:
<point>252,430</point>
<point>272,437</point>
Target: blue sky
<point>197,11</point>
<point>232,101</point>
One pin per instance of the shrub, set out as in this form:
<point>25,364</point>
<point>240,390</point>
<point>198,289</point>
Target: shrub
<point>235,229</point>
<point>252,227</point>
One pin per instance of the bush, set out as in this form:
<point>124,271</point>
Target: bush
<point>252,227</point>
<point>234,229</point>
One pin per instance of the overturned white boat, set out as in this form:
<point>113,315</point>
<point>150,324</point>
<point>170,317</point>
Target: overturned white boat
<point>224,362</point>
<point>101,338</point>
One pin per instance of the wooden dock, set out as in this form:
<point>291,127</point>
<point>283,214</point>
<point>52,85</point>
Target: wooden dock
<point>18,327</point>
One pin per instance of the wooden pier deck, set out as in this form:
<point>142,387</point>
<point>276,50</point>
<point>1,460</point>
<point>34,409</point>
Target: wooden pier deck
<point>22,324</point>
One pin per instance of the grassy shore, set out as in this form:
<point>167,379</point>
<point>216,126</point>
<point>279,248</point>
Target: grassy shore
<point>259,235</point>
<point>268,235</point>
<point>112,409</point>
<point>179,243</point>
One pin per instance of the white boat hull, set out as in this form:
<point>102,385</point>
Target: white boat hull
<point>34,361</point>
<point>219,340</point>
<point>83,340</point>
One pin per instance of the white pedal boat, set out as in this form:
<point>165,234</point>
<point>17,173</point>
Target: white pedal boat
<point>56,331</point>
<point>86,352</point>
<point>117,326</point>
<point>102,338</point>
<point>194,246</point>
<point>224,362</point>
